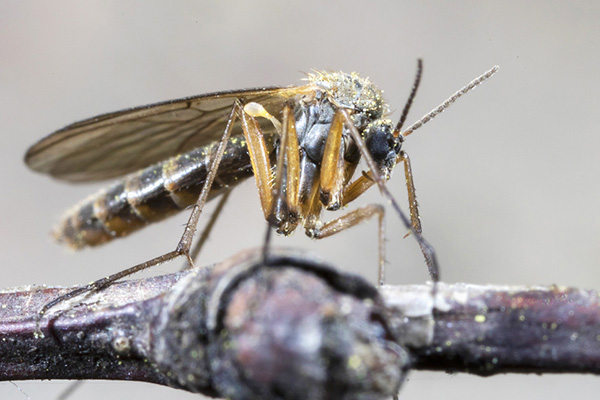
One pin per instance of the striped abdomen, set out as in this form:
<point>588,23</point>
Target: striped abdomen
<point>151,194</point>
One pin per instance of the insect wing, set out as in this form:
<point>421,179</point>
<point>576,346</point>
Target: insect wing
<point>114,144</point>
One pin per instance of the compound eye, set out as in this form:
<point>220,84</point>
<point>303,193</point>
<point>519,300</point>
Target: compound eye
<point>378,144</point>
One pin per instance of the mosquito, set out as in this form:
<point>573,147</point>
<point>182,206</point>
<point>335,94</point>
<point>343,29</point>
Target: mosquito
<point>302,143</point>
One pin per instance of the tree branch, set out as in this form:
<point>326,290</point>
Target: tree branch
<point>487,330</point>
<point>295,328</point>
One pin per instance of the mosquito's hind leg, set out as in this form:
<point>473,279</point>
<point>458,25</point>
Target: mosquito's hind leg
<point>184,245</point>
<point>209,226</point>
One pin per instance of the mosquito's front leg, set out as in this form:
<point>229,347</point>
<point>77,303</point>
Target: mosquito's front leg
<point>427,250</point>
<point>415,219</point>
<point>279,200</point>
<point>332,194</point>
<point>354,218</point>
<point>363,183</point>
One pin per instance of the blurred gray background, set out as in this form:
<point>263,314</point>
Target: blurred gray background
<point>508,179</point>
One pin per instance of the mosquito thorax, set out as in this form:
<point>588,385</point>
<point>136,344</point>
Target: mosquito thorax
<point>352,92</point>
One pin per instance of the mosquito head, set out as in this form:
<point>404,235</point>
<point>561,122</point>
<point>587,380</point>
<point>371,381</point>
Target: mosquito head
<point>383,145</point>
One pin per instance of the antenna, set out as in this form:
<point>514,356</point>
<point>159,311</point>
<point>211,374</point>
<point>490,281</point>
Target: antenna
<point>411,97</point>
<point>438,110</point>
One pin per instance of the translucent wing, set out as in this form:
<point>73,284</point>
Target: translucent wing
<point>117,143</point>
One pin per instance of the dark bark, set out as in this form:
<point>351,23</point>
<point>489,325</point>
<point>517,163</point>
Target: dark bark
<point>294,328</point>
<point>487,330</point>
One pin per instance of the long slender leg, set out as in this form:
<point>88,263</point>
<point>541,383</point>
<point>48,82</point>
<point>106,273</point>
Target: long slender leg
<point>356,188</point>
<point>69,390</point>
<point>412,198</point>
<point>354,218</point>
<point>331,192</point>
<point>427,250</point>
<point>360,185</point>
<point>186,240</point>
<point>363,183</point>
<point>183,247</point>
<point>209,226</point>
<point>416,219</point>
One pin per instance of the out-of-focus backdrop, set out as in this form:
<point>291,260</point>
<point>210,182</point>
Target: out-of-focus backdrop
<point>508,179</point>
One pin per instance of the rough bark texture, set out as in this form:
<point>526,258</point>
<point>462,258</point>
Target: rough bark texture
<point>291,328</point>
<point>486,330</point>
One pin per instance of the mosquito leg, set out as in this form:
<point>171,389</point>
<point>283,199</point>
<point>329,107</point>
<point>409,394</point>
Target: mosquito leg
<point>209,226</point>
<point>332,171</point>
<point>412,198</point>
<point>354,189</point>
<point>363,183</point>
<point>188,234</point>
<point>105,282</point>
<point>267,244</point>
<point>426,248</point>
<point>354,218</point>
<point>333,195</point>
<point>70,389</point>
<point>288,161</point>
<point>261,165</point>
<point>292,154</point>
<point>184,244</point>
<point>278,190</point>
<point>259,155</point>
<point>415,219</point>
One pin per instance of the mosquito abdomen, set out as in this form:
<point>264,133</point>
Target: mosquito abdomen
<point>150,195</point>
